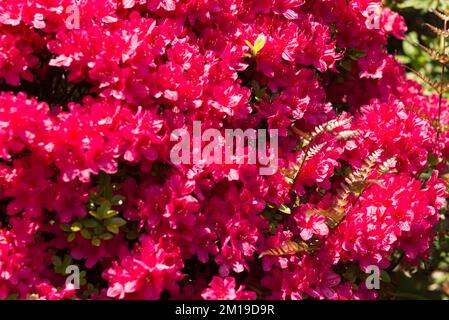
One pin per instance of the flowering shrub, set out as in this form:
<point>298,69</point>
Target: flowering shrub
<point>86,116</point>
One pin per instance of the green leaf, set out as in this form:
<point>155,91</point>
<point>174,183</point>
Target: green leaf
<point>284,209</point>
<point>250,45</point>
<point>118,200</point>
<point>117,221</point>
<point>105,207</point>
<point>346,64</point>
<point>356,54</point>
<point>113,228</point>
<point>95,215</point>
<point>108,191</point>
<point>65,227</point>
<point>96,242</point>
<point>86,234</point>
<point>408,47</point>
<point>259,44</point>
<point>110,214</point>
<point>106,236</point>
<point>132,235</point>
<point>71,237</point>
<point>76,226</point>
<point>90,223</point>
<point>66,261</point>
<point>99,229</point>
<point>385,277</point>
<point>56,260</point>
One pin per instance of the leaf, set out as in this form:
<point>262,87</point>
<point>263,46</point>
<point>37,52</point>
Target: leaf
<point>385,277</point>
<point>56,261</point>
<point>250,45</point>
<point>259,44</point>
<point>346,64</point>
<point>71,237</point>
<point>288,248</point>
<point>96,242</point>
<point>117,200</point>
<point>90,223</point>
<point>284,209</point>
<point>132,235</point>
<point>99,229</point>
<point>106,236</point>
<point>108,191</point>
<point>113,228</point>
<point>76,226</point>
<point>65,227</point>
<point>86,234</point>
<point>95,215</point>
<point>117,221</point>
<point>110,214</point>
<point>355,54</point>
<point>105,207</point>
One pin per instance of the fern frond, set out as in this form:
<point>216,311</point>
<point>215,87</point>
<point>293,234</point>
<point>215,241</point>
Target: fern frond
<point>329,126</point>
<point>362,174</point>
<point>315,150</point>
<point>437,31</point>
<point>442,15</point>
<point>348,134</point>
<point>386,166</point>
<point>355,183</point>
<point>434,84</point>
<point>330,214</point>
<point>441,57</point>
<point>290,247</point>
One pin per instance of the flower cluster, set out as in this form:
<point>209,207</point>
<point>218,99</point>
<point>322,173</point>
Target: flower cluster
<point>91,181</point>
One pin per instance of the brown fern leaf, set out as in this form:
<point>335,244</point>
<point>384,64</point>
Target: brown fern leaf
<point>434,84</point>
<point>340,203</point>
<point>348,134</point>
<point>362,174</point>
<point>315,150</point>
<point>330,214</point>
<point>442,15</point>
<point>434,54</point>
<point>288,248</point>
<point>354,184</point>
<point>329,126</point>
<point>438,31</point>
<point>387,166</point>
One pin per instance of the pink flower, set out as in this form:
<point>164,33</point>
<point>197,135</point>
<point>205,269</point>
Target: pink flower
<point>224,289</point>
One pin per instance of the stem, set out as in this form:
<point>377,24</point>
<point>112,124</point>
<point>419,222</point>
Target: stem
<point>348,211</point>
<point>440,100</point>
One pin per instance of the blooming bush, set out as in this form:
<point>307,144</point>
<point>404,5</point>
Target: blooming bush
<point>86,116</point>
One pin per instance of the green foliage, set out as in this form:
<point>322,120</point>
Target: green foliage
<point>423,51</point>
<point>103,221</point>
<point>60,267</point>
<point>421,5</point>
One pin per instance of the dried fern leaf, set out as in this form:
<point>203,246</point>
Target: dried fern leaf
<point>441,57</point>
<point>442,15</point>
<point>329,126</point>
<point>387,166</point>
<point>348,134</point>
<point>354,184</point>
<point>315,150</point>
<point>438,31</point>
<point>434,84</point>
<point>290,247</point>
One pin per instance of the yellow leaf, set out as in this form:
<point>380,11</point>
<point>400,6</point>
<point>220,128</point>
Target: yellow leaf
<point>259,44</point>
